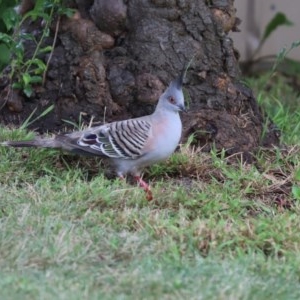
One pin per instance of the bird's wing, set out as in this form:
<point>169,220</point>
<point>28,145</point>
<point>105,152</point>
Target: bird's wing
<point>122,139</point>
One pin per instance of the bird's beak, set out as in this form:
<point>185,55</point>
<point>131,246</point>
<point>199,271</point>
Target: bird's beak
<point>182,108</point>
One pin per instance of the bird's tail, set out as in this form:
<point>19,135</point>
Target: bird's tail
<point>37,142</point>
<point>63,142</point>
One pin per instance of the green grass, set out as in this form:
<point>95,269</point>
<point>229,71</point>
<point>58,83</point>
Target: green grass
<point>217,229</point>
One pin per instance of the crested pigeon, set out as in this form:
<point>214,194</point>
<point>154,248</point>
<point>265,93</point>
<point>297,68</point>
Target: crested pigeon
<point>131,144</point>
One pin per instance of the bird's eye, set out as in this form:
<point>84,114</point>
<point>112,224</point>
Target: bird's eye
<point>172,100</point>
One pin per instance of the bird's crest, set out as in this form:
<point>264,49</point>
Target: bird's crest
<point>178,82</point>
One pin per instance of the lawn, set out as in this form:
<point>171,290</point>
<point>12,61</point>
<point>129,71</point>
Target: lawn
<point>218,228</point>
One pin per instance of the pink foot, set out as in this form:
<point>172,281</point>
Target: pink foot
<point>145,187</point>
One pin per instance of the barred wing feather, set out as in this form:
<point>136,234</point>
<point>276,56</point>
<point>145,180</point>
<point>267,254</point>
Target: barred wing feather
<point>123,139</point>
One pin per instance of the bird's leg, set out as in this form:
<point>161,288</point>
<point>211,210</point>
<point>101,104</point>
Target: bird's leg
<point>121,176</point>
<point>145,187</point>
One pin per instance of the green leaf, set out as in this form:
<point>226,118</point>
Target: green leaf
<point>20,45</point>
<point>36,79</point>
<point>296,191</point>
<point>39,6</point>
<point>280,57</point>
<point>282,53</point>
<point>10,18</point>
<point>4,54</point>
<point>46,111</point>
<point>27,121</point>
<point>279,19</point>
<point>28,91</point>
<point>35,14</point>
<point>295,44</point>
<point>26,78</point>
<point>41,65</point>
<point>47,32</point>
<point>17,85</point>
<point>26,36</point>
<point>69,12</point>
<point>45,49</point>
<point>5,38</point>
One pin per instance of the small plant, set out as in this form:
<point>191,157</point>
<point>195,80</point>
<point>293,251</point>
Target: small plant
<point>283,54</point>
<point>80,125</point>
<point>29,120</point>
<point>26,71</point>
<point>278,20</point>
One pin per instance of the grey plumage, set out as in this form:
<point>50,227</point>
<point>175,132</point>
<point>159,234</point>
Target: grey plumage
<point>130,144</point>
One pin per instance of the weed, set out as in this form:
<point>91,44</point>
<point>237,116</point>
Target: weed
<point>26,71</point>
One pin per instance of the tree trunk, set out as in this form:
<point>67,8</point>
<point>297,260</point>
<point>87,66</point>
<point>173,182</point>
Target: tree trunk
<point>114,58</point>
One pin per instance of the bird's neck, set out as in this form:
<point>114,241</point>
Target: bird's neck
<point>160,109</point>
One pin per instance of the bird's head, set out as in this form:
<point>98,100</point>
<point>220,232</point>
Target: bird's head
<point>173,99</point>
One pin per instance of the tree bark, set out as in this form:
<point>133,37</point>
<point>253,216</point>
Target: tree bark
<point>114,58</point>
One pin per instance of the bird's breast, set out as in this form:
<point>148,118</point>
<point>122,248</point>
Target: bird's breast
<point>166,134</point>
